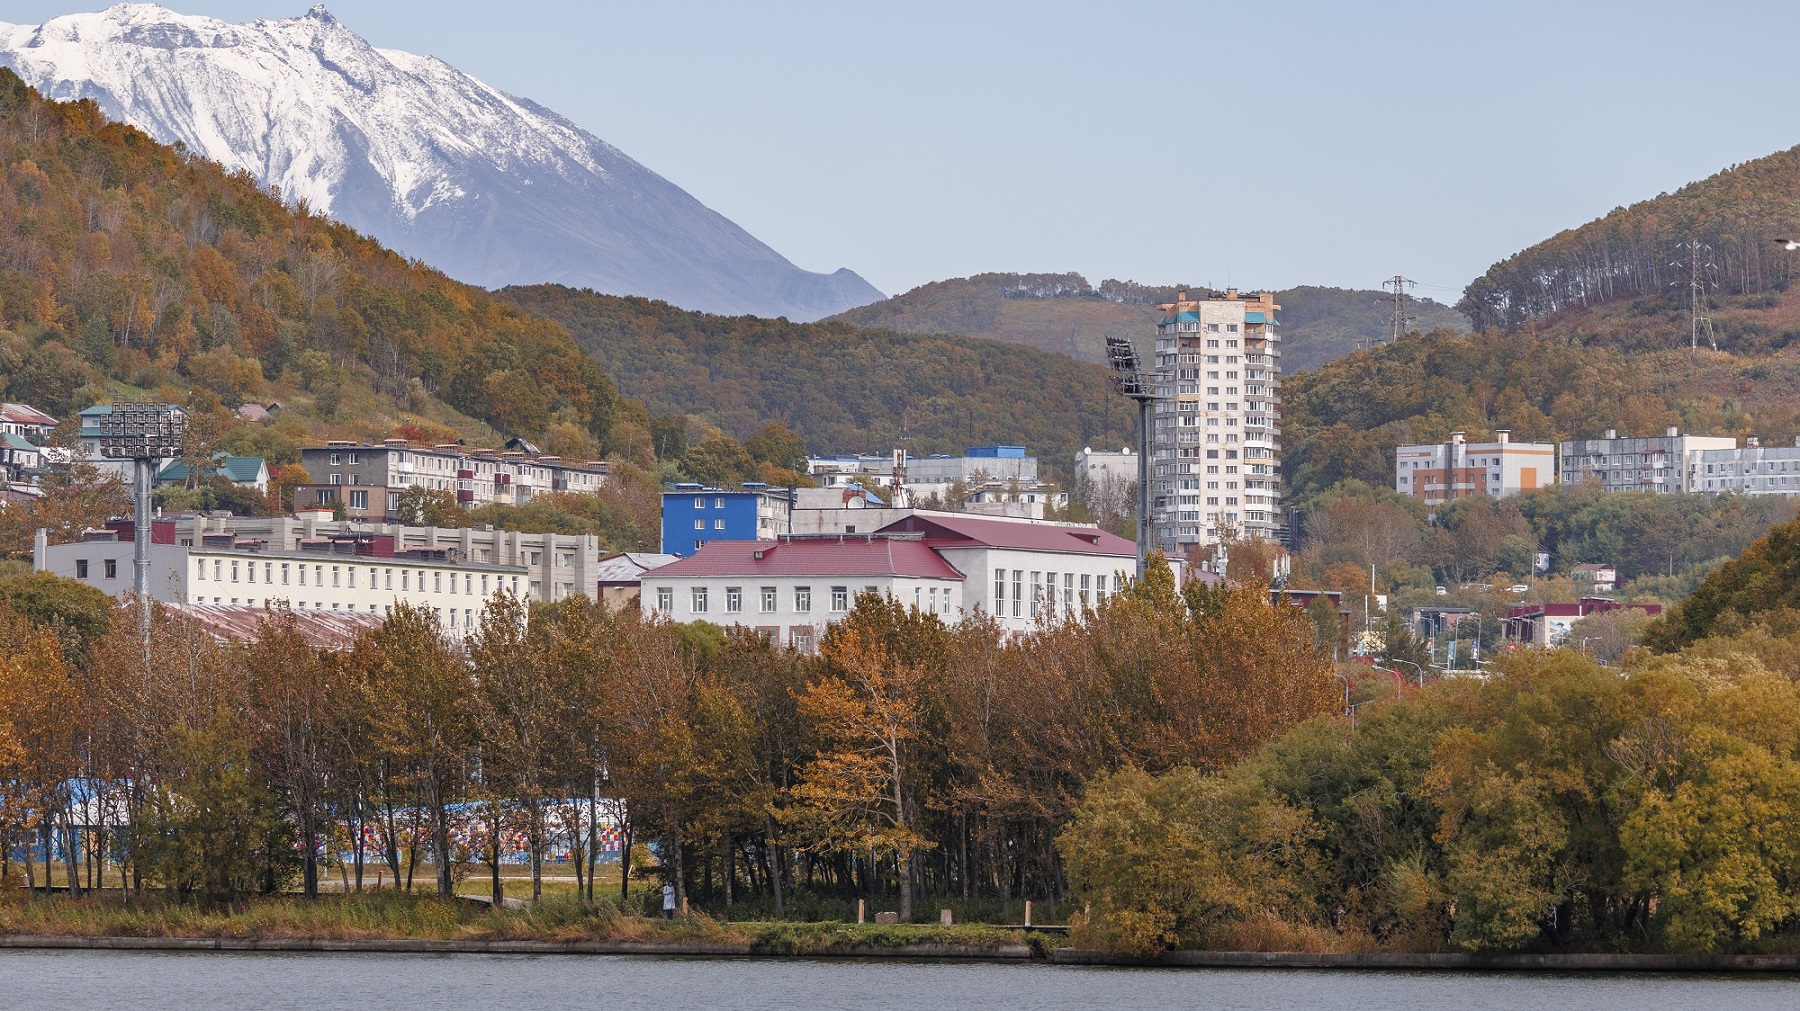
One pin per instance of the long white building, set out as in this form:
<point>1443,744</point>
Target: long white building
<point>326,580</point>
<point>1216,467</point>
<point>1438,472</point>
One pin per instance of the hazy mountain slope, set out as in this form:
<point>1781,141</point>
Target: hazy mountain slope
<point>1063,312</point>
<point>489,188</point>
<point>843,388</point>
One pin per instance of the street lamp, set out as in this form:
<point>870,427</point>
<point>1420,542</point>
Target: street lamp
<point>1130,380</point>
<point>1349,710</point>
<point>1414,666</point>
<point>146,432</point>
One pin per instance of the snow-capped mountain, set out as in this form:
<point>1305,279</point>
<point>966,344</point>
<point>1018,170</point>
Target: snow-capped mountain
<point>490,188</point>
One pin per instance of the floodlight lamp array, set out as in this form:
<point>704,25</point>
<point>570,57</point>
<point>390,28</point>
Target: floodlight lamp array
<point>142,430</point>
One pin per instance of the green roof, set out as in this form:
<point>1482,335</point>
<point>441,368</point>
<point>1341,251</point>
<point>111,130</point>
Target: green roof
<point>18,442</point>
<point>237,469</point>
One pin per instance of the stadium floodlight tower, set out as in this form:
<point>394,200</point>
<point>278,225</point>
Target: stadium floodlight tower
<point>146,432</point>
<point>1130,380</point>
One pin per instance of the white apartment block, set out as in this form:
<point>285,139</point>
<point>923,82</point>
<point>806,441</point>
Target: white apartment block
<point>1216,468</point>
<point>1659,464</point>
<point>1458,468</point>
<point>369,478</point>
<point>1099,466</point>
<point>307,581</point>
<point>555,565</point>
<point>1754,469</point>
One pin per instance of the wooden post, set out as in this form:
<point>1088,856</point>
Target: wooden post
<point>1028,912</point>
<point>945,918</point>
<point>684,907</point>
<point>860,911</point>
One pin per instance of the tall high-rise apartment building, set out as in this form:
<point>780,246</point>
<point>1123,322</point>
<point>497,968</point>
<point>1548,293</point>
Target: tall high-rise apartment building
<point>1217,440</point>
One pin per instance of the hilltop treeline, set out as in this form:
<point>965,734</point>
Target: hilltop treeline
<point>842,388</point>
<point>908,757</point>
<point>1637,252</point>
<point>128,261</point>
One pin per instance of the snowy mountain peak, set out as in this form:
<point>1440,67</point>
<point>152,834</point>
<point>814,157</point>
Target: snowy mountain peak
<point>490,188</point>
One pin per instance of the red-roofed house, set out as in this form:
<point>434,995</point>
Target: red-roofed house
<point>790,589</point>
<point>1018,570</point>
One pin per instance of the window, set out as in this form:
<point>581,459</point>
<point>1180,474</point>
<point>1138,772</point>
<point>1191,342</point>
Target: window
<point>700,523</point>
<point>665,598</point>
<point>918,597</point>
<point>111,568</point>
<point>699,595</point>
<point>1018,597</point>
<point>359,500</point>
<point>535,557</point>
<point>931,599</point>
<point>718,524</point>
<point>840,598</point>
<point>80,568</point>
<point>1037,592</point>
<point>803,599</point>
<point>801,638</point>
<point>350,574</point>
<point>355,458</point>
<point>946,599</point>
<point>768,600</point>
<point>336,458</point>
<point>999,591</point>
<point>719,503</point>
<point>406,579</point>
<point>234,570</point>
<point>1086,586</point>
<point>437,582</point>
<point>699,503</point>
<point>337,479</point>
<point>734,599</point>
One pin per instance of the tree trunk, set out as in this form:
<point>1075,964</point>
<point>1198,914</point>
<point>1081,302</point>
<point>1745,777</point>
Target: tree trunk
<point>309,857</point>
<point>774,864</point>
<point>908,865</point>
<point>441,840</point>
<point>680,867</point>
<point>625,861</point>
<point>537,851</point>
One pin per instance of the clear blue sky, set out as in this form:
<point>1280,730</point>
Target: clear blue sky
<point>1264,145</point>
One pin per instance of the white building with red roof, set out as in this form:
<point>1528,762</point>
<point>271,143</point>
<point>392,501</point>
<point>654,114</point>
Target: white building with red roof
<point>1019,570</point>
<point>949,564</point>
<point>790,589</point>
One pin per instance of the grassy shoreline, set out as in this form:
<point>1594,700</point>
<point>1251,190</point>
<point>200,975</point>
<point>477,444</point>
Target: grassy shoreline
<point>399,916</point>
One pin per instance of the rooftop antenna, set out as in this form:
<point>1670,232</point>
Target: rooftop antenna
<point>1130,380</point>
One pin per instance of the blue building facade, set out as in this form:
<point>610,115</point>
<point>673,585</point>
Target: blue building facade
<point>694,514</point>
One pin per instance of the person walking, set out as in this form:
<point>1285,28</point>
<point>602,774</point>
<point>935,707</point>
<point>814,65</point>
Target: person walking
<point>669,901</point>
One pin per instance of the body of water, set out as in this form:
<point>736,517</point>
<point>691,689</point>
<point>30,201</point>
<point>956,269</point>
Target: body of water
<point>150,981</point>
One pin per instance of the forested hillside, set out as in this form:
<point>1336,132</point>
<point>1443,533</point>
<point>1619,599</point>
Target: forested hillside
<point>842,388</point>
<point>1636,254</point>
<point>1063,312</point>
<point>129,266</point>
<point>1586,331</point>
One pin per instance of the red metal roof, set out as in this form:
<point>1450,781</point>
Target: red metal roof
<point>325,629</point>
<point>949,530</point>
<point>25,414</point>
<point>853,555</point>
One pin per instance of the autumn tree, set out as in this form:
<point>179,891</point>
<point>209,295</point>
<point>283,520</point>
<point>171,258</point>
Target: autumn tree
<point>418,698</point>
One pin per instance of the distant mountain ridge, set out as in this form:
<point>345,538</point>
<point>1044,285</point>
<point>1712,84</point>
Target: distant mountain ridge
<point>1064,312</point>
<point>490,188</point>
